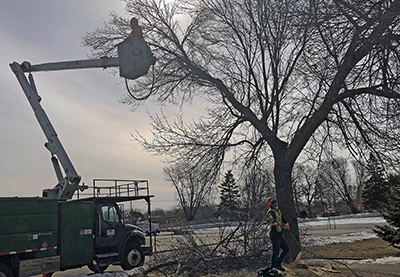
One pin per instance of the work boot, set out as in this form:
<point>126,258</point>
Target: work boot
<point>279,267</point>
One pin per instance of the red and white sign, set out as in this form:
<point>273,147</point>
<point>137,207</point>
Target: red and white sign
<point>331,209</point>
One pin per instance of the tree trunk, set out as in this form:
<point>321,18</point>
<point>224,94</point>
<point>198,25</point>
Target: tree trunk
<point>284,193</point>
<point>309,210</point>
<point>350,204</point>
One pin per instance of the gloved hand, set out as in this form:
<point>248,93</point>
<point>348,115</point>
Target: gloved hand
<point>286,226</point>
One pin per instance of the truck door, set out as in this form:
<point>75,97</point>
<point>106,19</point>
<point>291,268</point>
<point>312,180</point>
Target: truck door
<point>75,233</point>
<point>110,227</point>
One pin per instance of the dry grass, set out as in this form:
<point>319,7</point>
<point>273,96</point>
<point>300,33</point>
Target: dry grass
<point>365,249</point>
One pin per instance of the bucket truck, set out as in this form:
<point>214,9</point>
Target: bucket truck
<point>41,235</point>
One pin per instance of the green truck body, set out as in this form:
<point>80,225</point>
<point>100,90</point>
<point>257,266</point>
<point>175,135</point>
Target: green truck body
<point>41,235</point>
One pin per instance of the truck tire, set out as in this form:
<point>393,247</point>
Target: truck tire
<point>133,256</point>
<point>5,271</point>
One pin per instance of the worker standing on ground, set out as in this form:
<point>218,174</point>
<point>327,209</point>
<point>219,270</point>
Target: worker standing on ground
<point>276,224</point>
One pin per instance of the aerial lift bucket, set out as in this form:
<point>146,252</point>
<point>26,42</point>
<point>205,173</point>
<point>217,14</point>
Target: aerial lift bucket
<point>135,58</point>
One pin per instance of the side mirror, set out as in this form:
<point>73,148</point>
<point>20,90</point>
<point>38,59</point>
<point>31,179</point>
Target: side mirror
<point>122,211</point>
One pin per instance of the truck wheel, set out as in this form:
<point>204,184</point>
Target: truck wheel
<point>133,256</point>
<point>5,271</point>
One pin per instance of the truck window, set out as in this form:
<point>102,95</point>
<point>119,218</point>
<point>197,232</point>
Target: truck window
<point>110,214</point>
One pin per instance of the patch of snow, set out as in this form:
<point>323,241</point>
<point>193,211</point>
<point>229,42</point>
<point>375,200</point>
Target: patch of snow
<point>385,260</point>
<point>105,274</point>
<point>314,241</point>
<point>339,221</point>
<point>364,214</point>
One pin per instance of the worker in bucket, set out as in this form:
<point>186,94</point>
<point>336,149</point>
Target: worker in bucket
<point>276,225</point>
<point>136,29</point>
<point>137,34</point>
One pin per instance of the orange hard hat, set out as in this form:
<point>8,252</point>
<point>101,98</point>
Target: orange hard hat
<point>270,200</point>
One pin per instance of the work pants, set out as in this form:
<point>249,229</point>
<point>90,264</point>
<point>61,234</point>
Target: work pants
<point>278,244</point>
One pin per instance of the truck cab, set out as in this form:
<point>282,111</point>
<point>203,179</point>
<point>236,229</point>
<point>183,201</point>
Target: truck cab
<point>114,241</point>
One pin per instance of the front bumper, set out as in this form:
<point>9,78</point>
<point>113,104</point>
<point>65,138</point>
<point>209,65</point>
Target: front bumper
<point>147,250</point>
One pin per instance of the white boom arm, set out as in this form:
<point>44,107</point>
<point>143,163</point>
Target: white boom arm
<point>134,60</point>
<point>66,185</point>
<point>78,64</point>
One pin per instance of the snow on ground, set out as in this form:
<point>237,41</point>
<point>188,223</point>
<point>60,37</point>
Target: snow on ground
<point>372,218</point>
<point>363,218</point>
<point>105,274</point>
<point>314,241</point>
<point>385,260</point>
<point>353,220</point>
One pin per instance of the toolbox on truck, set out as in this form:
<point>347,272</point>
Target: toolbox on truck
<point>28,225</point>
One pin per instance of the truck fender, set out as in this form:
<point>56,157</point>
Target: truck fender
<point>134,236</point>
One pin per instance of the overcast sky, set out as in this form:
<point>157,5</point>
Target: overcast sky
<point>83,105</point>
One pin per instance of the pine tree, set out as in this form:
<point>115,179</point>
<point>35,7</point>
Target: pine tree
<point>391,213</point>
<point>229,196</point>
<point>376,185</point>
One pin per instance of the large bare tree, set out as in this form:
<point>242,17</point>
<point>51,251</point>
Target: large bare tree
<point>280,76</point>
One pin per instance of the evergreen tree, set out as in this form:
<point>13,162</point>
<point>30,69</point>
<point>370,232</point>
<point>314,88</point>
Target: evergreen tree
<point>230,197</point>
<point>391,213</point>
<point>376,185</point>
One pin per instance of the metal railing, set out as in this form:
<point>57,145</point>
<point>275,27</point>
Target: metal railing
<point>115,188</point>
